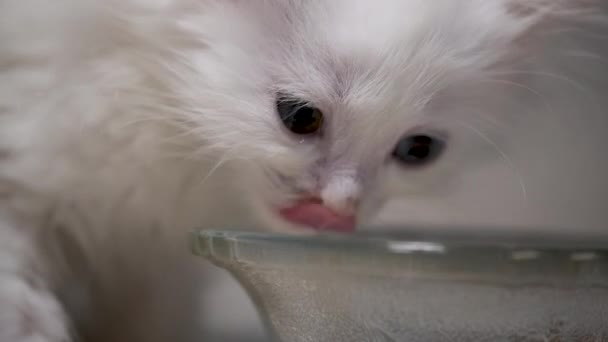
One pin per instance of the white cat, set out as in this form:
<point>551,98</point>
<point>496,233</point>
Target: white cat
<point>124,124</point>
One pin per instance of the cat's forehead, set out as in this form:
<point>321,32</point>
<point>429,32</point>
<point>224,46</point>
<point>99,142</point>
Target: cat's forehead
<point>361,47</point>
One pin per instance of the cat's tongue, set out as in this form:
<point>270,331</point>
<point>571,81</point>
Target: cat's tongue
<point>313,214</point>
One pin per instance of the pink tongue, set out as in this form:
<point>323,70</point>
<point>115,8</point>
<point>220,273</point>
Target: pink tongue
<point>315,215</point>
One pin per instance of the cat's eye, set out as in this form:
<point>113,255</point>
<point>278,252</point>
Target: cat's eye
<point>298,116</point>
<point>418,150</point>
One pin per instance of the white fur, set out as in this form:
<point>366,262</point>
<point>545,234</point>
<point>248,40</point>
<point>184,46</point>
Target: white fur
<point>125,124</point>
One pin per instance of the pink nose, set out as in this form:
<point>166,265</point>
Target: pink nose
<point>313,214</point>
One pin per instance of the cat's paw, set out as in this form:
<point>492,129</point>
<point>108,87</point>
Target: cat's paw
<point>28,314</point>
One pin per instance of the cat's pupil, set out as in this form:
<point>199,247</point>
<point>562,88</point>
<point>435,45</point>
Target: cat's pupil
<point>417,149</point>
<point>299,117</point>
<point>420,151</point>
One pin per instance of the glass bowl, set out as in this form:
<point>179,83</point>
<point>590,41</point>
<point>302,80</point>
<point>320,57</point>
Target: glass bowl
<point>417,286</point>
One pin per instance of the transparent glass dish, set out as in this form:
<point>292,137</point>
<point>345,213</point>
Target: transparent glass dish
<point>411,286</point>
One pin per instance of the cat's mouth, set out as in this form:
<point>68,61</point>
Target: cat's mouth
<point>311,213</point>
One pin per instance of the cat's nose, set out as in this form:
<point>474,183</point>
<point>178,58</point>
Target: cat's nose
<point>342,193</point>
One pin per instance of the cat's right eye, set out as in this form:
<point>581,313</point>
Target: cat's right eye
<point>298,116</point>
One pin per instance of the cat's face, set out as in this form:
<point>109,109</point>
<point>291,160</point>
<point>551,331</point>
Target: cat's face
<point>326,109</point>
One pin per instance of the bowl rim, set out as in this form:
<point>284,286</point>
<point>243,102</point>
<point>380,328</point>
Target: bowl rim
<point>499,258</point>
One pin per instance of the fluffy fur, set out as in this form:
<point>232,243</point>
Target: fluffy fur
<point>125,124</point>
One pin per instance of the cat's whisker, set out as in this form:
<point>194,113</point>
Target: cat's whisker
<point>573,29</point>
<point>591,99</point>
<point>227,156</point>
<point>509,162</point>
<point>219,163</point>
<point>584,55</point>
<point>540,96</point>
<point>514,84</point>
<point>576,85</point>
<point>479,115</point>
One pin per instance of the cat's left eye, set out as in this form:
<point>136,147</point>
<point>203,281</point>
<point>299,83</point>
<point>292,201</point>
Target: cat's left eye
<point>298,116</point>
<point>418,150</point>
